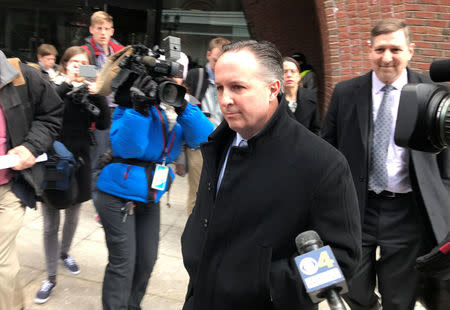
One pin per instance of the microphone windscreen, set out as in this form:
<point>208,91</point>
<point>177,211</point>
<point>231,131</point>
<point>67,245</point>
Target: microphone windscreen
<point>440,70</point>
<point>149,61</point>
<point>306,239</point>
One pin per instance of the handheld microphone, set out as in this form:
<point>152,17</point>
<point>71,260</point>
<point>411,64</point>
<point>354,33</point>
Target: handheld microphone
<point>319,270</point>
<point>440,70</point>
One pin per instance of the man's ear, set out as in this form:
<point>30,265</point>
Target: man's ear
<point>274,89</point>
<point>90,29</point>
<point>411,50</point>
<point>112,31</point>
<point>368,45</point>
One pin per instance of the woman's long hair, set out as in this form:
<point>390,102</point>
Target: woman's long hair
<point>69,53</point>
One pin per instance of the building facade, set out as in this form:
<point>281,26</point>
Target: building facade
<point>332,34</point>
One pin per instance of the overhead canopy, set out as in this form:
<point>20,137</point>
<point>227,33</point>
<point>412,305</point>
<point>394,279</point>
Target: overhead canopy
<point>51,4</point>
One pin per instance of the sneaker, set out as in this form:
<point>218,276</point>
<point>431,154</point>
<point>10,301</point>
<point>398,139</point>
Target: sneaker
<point>70,265</point>
<point>98,220</point>
<point>44,293</point>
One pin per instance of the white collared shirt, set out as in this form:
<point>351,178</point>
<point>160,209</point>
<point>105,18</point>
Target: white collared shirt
<point>398,157</point>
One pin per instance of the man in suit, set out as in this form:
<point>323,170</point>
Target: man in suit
<point>265,179</point>
<point>200,82</point>
<point>403,194</point>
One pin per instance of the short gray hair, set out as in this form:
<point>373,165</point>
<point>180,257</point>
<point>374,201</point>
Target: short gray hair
<point>266,54</point>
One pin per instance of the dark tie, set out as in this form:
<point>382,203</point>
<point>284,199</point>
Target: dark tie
<point>378,177</point>
<point>243,143</point>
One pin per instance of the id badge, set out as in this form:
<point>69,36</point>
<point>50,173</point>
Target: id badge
<point>160,177</point>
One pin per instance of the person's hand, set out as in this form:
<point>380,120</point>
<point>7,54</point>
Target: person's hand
<point>26,159</point>
<point>73,73</point>
<point>179,110</point>
<point>179,169</point>
<point>92,87</point>
<point>143,93</point>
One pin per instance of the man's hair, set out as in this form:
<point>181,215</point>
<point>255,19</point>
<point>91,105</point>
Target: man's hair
<point>267,55</point>
<point>290,59</point>
<point>390,25</point>
<point>101,17</point>
<point>46,49</point>
<point>218,42</point>
<point>69,53</point>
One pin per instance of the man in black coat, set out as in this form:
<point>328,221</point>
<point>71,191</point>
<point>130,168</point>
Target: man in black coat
<point>265,179</point>
<point>396,216</point>
<point>30,119</point>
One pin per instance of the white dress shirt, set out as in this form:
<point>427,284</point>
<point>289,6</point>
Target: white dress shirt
<point>398,157</point>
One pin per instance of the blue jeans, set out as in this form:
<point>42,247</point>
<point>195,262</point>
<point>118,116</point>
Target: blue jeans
<point>133,249</point>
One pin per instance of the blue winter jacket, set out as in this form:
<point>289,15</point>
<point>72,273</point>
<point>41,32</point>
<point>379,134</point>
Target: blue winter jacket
<point>134,136</point>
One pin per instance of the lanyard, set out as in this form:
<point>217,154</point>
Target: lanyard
<point>167,145</point>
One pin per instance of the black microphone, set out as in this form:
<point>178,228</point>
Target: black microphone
<point>319,270</point>
<point>440,70</point>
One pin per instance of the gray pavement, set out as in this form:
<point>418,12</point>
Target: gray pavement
<point>168,282</point>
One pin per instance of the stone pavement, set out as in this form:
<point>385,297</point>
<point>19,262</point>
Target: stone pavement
<point>168,282</point>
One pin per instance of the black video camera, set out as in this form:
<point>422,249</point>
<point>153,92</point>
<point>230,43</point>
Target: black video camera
<point>80,96</point>
<point>423,121</point>
<point>145,61</point>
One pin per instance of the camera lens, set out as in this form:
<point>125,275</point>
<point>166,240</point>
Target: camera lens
<point>443,121</point>
<point>423,121</point>
<point>169,93</point>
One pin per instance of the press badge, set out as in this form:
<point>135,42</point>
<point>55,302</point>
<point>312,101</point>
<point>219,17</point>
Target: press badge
<point>160,177</point>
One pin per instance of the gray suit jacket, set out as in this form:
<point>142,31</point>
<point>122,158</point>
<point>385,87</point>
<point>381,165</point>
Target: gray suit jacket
<point>348,127</point>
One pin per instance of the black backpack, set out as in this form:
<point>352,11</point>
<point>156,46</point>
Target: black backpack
<point>59,185</point>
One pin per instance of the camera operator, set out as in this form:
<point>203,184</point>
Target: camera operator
<point>75,135</point>
<point>146,134</point>
<point>402,194</point>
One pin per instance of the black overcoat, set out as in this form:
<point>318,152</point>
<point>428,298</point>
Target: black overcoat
<point>238,246</point>
<point>307,112</point>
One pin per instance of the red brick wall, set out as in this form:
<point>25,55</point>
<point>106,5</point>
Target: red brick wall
<point>333,34</point>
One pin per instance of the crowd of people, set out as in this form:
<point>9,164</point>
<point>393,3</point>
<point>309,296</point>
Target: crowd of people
<point>262,169</point>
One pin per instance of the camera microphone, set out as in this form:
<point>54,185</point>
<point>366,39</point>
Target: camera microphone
<point>149,61</point>
<point>440,70</point>
<point>161,66</point>
<point>318,268</point>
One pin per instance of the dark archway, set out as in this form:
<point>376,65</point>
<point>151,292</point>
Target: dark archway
<point>293,26</point>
